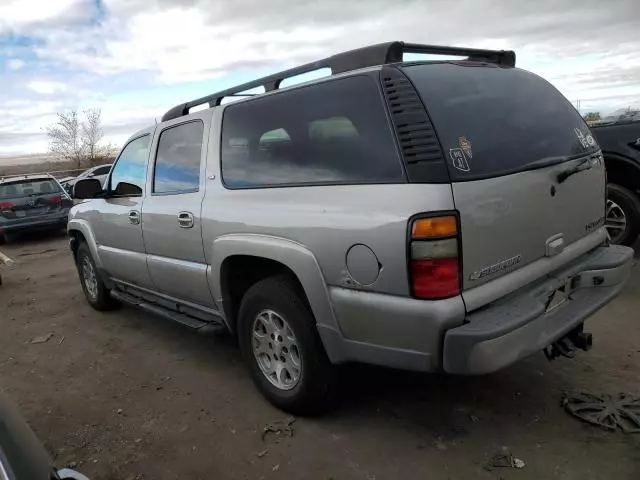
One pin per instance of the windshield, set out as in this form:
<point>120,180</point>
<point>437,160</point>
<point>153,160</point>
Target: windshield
<point>26,188</point>
<point>497,121</point>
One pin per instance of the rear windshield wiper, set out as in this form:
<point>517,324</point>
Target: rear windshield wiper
<point>585,164</point>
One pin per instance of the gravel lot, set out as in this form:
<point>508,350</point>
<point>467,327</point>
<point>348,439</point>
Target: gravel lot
<point>129,396</point>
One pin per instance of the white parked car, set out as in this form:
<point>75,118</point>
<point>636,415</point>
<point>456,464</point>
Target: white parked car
<point>99,173</point>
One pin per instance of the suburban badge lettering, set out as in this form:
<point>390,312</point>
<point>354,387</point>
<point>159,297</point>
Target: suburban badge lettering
<point>498,267</point>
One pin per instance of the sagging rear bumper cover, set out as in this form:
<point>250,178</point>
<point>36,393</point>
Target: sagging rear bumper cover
<point>519,325</point>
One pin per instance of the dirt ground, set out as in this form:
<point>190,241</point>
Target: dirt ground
<point>129,396</point>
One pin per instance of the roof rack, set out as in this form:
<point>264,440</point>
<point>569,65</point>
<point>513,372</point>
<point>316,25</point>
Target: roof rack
<point>380,54</point>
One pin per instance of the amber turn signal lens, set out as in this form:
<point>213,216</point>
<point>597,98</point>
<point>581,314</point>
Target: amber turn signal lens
<point>434,227</point>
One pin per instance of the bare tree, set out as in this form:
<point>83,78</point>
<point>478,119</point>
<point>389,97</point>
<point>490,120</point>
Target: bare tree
<point>71,138</point>
<point>65,137</point>
<point>92,133</point>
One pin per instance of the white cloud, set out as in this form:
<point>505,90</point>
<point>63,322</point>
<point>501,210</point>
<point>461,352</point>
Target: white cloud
<point>15,64</point>
<point>19,15</point>
<point>587,49</point>
<point>22,123</point>
<point>200,40</point>
<point>46,87</point>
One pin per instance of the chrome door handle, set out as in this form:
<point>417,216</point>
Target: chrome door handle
<point>185,220</point>
<point>134,217</point>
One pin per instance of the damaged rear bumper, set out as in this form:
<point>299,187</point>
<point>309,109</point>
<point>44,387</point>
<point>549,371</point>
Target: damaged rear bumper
<point>528,320</point>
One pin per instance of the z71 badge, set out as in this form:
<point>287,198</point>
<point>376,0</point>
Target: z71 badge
<point>495,268</point>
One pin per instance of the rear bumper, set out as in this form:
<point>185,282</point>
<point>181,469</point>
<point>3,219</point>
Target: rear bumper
<point>44,221</point>
<point>519,325</point>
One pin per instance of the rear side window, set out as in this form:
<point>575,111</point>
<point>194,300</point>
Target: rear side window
<point>128,175</point>
<point>28,188</point>
<point>333,132</point>
<point>332,128</point>
<point>496,121</point>
<point>177,166</point>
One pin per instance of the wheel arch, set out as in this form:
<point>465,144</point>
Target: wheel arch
<point>80,230</point>
<point>240,260</point>
<point>622,171</point>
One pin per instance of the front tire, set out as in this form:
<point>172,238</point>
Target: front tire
<point>280,343</point>
<point>622,218</point>
<point>95,291</point>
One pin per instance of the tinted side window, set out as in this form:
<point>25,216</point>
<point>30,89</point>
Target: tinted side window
<point>333,132</point>
<point>332,128</point>
<point>128,175</point>
<point>178,159</point>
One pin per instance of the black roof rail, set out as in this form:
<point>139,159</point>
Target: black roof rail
<point>380,54</point>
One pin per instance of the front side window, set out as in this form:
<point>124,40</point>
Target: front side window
<point>128,174</point>
<point>329,133</point>
<point>177,166</point>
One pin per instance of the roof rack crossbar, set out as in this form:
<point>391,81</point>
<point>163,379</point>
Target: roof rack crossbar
<point>380,54</point>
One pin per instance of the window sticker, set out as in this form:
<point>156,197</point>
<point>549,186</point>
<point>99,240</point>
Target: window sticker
<point>465,145</point>
<point>587,141</point>
<point>458,160</point>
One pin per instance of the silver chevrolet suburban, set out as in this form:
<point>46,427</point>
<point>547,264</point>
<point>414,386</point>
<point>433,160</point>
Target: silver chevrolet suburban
<point>432,215</point>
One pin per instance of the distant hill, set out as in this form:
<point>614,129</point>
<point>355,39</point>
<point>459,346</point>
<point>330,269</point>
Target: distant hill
<point>44,163</point>
<point>26,159</point>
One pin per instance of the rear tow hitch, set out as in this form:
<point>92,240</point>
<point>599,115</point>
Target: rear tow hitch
<point>567,345</point>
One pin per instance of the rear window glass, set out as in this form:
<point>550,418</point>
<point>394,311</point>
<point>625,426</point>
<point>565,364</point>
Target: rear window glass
<point>334,132</point>
<point>28,188</point>
<point>496,121</point>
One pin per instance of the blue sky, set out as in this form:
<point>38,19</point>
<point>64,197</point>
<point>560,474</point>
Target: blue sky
<point>134,59</point>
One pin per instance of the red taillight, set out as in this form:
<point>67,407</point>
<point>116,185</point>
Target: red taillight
<point>435,278</point>
<point>434,264</point>
<point>6,205</point>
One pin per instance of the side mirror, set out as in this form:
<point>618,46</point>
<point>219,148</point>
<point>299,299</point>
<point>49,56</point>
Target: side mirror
<point>89,188</point>
<point>22,454</point>
<point>125,189</point>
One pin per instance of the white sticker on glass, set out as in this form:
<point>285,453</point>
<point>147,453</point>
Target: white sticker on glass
<point>458,160</point>
<point>465,145</point>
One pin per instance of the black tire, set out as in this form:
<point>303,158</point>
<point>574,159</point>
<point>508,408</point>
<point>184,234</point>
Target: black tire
<point>101,300</point>
<point>311,393</point>
<point>3,238</point>
<point>630,205</point>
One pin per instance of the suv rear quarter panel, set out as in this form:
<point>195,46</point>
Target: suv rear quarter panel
<point>318,218</point>
<point>325,220</point>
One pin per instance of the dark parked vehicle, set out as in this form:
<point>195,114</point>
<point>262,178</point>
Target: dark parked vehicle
<point>620,144</point>
<point>32,202</point>
<point>22,456</point>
